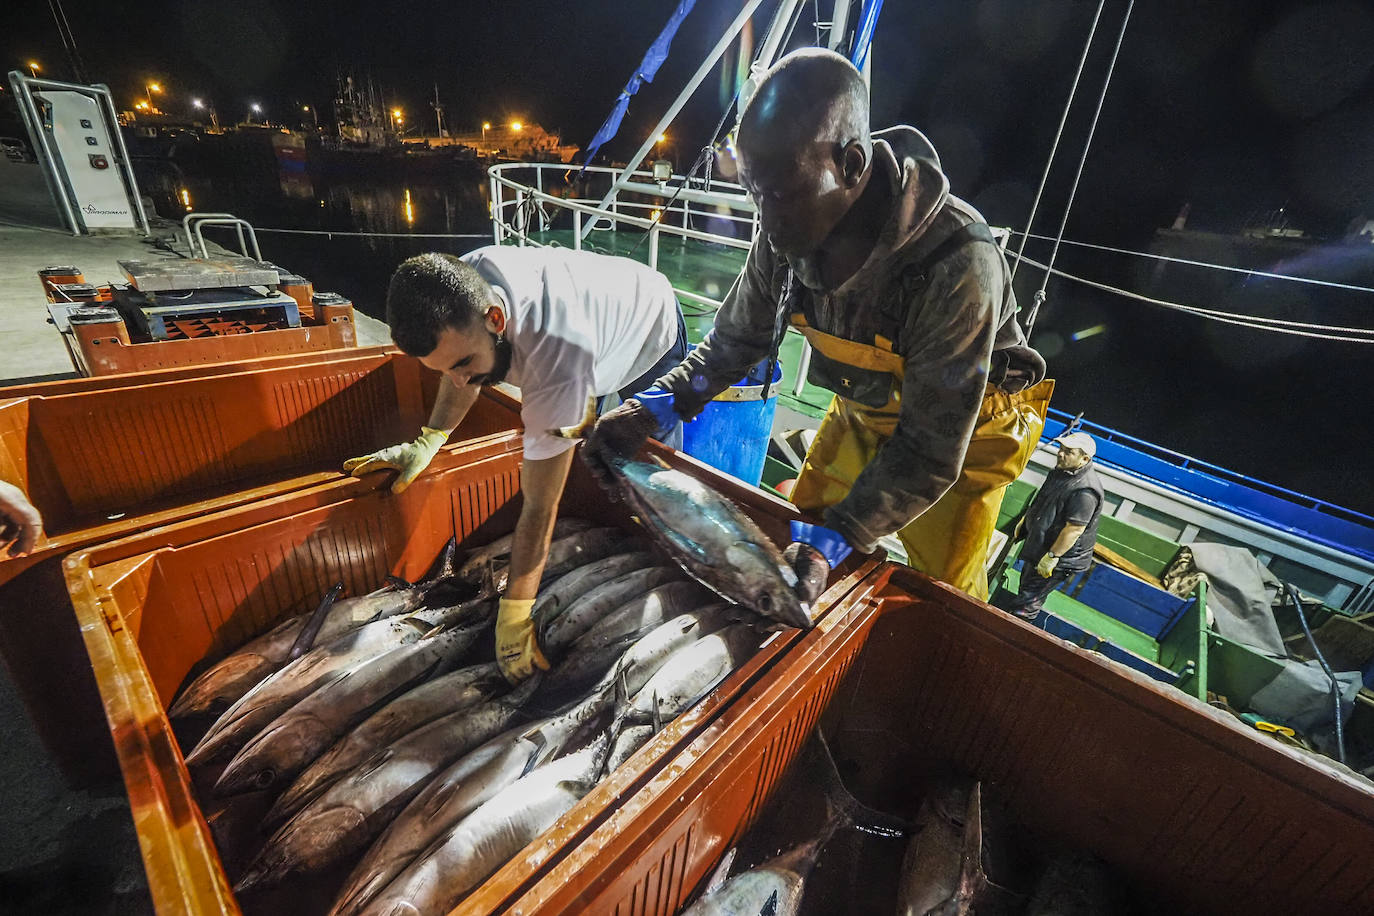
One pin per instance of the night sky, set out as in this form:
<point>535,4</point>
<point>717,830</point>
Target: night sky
<point>1235,107</point>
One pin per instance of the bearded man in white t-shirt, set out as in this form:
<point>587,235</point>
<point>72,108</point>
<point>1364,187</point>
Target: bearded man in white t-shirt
<point>561,325</point>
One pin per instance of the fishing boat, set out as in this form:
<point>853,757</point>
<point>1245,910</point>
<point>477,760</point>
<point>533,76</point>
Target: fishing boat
<point>697,228</point>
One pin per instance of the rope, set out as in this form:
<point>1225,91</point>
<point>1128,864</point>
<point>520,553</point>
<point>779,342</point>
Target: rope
<point>1054,149</point>
<point>708,152</point>
<point>1073,191</point>
<point>1353,287</point>
<point>1256,323</point>
<point>381,235</point>
<point>1296,598</point>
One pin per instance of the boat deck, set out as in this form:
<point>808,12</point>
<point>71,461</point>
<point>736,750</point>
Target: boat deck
<point>710,269</point>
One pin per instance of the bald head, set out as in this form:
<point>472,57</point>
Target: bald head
<point>811,95</point>
<point>805,153</point>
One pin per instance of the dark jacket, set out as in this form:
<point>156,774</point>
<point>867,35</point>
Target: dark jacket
<point>954,324</point>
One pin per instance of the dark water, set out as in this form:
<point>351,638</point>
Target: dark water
<point>360,196</point>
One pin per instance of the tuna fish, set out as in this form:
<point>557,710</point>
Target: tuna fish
<point>229,679</point>
<point>475,778</point>
<point>707,534</point>
<point>582,614</point>
<point>438,697</point>
<point>299,735</point>
<point>627,743</point>
<point>558,594</point>
<point>481,559</point>
<point>775,888</point>
<point>691,671</point>
<point>959,833</point>
<point>713,540</point>
<point>351,812</point>
<point>485,840</point>
<point>935,878</point>
<point>318,667</point>
<point>456,793</point>
<point>590,657</point>
<point>695,670</point>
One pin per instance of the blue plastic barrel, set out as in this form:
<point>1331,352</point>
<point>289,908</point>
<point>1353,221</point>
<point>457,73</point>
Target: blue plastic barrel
<point>732,433</point>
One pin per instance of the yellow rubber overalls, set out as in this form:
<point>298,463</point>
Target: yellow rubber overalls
<point>949,541</point>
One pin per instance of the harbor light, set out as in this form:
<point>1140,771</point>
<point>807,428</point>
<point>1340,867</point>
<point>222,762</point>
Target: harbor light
<point>197,103</point>
<point>149,89</point>
<point>34,68</point>
<point>662,138</point>
<point>186,199</point>
<point>516,126</point>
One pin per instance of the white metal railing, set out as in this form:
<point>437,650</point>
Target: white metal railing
<point>518,197</point>
<point>526,198</point>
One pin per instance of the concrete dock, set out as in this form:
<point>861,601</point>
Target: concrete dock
<point>31,238</point>
<point>64,849</point>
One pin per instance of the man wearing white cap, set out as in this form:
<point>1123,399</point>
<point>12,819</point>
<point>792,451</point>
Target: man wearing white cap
<point>1060,526</point>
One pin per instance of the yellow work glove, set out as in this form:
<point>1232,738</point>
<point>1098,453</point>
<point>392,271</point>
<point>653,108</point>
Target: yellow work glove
<point>517,651</point>
<point>409,458</point>
<point>1046,565</point>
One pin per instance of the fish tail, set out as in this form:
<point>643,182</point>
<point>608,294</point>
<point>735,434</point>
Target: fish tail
<point>843,809</point>
<point>445,564</point>
<point>306,639</point>
<point>580,429</point>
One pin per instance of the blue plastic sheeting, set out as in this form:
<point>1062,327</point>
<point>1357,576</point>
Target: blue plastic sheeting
<point>645,73</point>
<point>863,36</point>
<point>1318,521</point>
<point>1070,632</point>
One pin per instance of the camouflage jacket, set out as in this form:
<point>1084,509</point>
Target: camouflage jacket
<point>954,324</point>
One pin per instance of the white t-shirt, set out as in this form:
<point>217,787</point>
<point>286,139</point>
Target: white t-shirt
<point>580,325</point>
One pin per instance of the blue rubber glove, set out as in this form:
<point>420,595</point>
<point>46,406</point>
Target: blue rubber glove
<point>660,404</point>
<point>828,541</point>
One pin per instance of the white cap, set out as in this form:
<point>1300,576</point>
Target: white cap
<point>1081,441</point>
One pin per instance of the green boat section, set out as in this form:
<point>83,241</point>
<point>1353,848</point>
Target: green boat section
<point>709,269</point>
<point>1188,654</point>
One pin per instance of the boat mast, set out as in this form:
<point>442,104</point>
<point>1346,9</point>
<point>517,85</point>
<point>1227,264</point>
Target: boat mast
<point>438,110</point>
<point>707,65</point>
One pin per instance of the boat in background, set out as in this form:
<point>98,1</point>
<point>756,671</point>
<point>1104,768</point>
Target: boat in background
<point>697,230</point>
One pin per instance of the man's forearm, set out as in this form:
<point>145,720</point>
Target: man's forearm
<point>529,552</point>
<point>451,405</point>
<point>1067,538</point>
<point>541,483</point>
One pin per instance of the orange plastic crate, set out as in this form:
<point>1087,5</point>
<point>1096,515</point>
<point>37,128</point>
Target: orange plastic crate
<point>151,606</point>
<point>151,450</point>
<point>102,462</point>
<point>149,376</point>
<point>1181,797</point>
<point>105,348</point>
